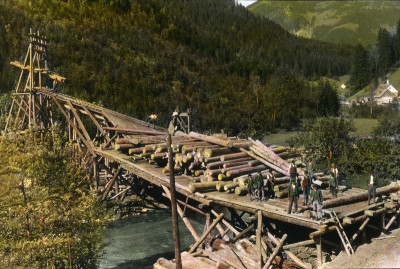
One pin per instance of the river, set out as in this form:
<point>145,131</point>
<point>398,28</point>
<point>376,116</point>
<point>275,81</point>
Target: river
<point>138,241</point>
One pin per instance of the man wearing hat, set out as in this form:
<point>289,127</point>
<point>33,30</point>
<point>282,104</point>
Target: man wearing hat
<point>270,184</point>
<point>293,195</point>
<point>250,186</point>
<point>293,170</point>
<point>305,185</point>
<point>371,189</point>
<point>317,200</point>
<point>332,185</point>
<point>260,185</point>
<point>310,169</point>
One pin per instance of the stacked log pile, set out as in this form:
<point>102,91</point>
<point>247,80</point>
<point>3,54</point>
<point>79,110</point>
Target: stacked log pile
<point>215,162</point>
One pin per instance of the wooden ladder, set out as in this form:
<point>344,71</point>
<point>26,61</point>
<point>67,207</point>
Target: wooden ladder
<point>339,228</point>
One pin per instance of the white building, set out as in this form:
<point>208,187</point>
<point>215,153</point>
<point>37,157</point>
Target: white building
<point>385,94</point>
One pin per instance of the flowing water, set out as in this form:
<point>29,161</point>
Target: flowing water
<point>138,241</point>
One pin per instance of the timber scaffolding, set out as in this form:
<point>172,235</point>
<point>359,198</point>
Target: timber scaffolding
<point>123,152</point>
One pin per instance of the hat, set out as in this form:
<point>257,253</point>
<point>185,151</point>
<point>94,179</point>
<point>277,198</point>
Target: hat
<point>292,180</point>
<point>306,172</point>
<point>293,161</point>
<point>259,171</point>
<point>270,170</point>
<point>333,165</point>
<point>249,175</point>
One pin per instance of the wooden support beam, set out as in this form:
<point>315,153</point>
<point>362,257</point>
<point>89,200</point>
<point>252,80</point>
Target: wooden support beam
<point>242,233</point>
<point>359,230</point>
<point>201,239</point>
<point>290,254</point>
<point>258,238</point>
<point>299,244</point>
<point>183,217</point>
<point>236,232</point>
<point>74,126</point>
<point>107,190</point>
<point>276,250</point>
<point>96,123</point>
<point>318,244</point>
<point>391,221</point>
<point>121,192</point>
<point>80,123</point>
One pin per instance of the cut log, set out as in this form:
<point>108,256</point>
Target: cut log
<point>276,250</point>
<point>132,131</point>
<point>204,186</point>
<point>198,242</point>
<point>232,156</point>
<point>231,186</point>
<point>242,171</point>
<point>394,187</point>
<point>211,139</point>
<point>220,185</point>
<point>241,190</point>
<point>212,152</point>
<point>123,146</point>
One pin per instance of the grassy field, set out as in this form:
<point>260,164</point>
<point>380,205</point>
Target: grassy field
<point>364,127</point>
<point>341,22</point>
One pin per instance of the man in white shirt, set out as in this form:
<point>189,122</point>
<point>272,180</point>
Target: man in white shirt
<point>371,189</point>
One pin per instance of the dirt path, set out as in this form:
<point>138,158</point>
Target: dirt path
<point>380,253</point>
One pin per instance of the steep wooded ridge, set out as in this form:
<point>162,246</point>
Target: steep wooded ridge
<point>234,70</point>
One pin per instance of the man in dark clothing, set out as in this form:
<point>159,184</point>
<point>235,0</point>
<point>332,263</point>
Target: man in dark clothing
<point>305,185</point>
<point>332,185</point>
<point>293,170</point>
<point>293,195</point>
<point>310,169</point>
<point>270,184</point>
<point>371,189</point>
<point>317,201</point>
<point>260,185</point>
<point>250,187</point>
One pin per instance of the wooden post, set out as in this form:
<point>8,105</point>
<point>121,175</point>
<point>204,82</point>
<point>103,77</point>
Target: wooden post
<point>382,221</point>
<point>95,174</point>
<point>391,221</point>
<point>175,223</point>
<point>276,250</point>
<point>318,244</point>
<point>198,242</point>
<point>258,238</point>
<point>359,230</point>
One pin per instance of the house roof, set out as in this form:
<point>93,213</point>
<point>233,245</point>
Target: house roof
<point>381,90</point>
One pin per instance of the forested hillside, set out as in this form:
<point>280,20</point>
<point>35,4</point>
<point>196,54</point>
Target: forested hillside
<point>338,22</point>
<point>234,70</point>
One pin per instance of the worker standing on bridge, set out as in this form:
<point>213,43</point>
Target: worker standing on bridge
<point>317,201</point>
<point>310,169</point>
<point>333,187</point>
<point>293,194</point>
<point>260,185</point>
<point>152,119</point>
<point>371,189</point>
<point>305,185</point>
<point>293,170</point>
<point>270,184</point>
<point>250,186</point>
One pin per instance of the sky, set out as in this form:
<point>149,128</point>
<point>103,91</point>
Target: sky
<point>245,3</point>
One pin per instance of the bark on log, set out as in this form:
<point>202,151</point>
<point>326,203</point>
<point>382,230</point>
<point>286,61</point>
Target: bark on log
<point>360,197</point>
<point>238,172</point>
<point>132,131</point>
<point>204,186</point>
<point>211,139</point>
<point>276,250</point>
<point>220,185</point>
<point>212,152</point>
<point>198,242</point>
<point>231,186</point>
<point>123,146</point>
<point>232,156</point>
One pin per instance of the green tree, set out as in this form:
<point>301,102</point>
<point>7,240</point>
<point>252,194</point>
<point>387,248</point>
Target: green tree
<point>360,70</point>
<point>48,215</point>
<point>326,139</point>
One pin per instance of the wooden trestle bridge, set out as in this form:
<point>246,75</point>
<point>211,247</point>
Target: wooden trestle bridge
<point>210,174</point>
